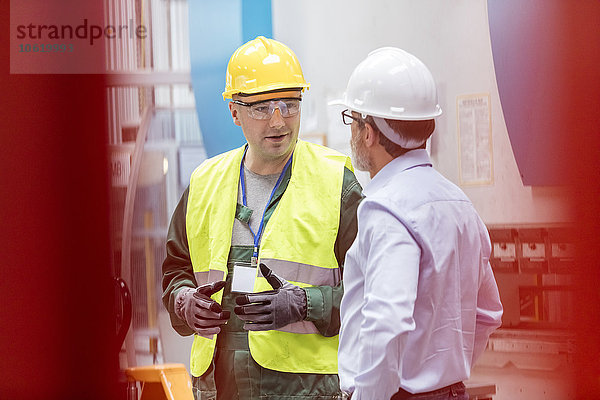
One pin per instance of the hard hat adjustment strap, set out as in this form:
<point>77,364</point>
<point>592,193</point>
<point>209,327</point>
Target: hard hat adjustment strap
<point>396,137</point>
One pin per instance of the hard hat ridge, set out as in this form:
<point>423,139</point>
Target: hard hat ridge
<point>263,65</point>
<point>394,84</point>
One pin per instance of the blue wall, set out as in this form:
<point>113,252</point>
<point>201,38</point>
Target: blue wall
<point>217,29</point>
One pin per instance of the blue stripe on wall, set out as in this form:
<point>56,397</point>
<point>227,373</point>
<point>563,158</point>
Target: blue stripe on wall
<point>256,19</point>
<point>216,30</point>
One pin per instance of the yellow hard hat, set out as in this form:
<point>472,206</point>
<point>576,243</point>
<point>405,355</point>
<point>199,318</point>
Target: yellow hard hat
<point>263,65</point>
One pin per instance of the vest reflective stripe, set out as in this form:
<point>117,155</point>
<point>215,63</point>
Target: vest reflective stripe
<point>299,272</point>
<point>205,277</point>
<point>301,327</point>
<point>299,235</point>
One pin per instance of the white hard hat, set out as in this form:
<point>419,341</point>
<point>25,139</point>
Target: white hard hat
<point>392,83</point>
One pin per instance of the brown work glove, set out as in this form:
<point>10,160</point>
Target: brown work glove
<point>201,313</point>
<point>272,309</point>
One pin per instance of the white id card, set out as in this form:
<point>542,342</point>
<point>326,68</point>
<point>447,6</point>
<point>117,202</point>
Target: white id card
<point>243,278</point>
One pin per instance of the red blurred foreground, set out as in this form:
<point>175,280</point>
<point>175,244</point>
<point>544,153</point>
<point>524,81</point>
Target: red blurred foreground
<point>57,316</point>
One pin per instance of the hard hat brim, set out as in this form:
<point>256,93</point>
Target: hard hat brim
<point>399,117</point>
<point>266,89</point>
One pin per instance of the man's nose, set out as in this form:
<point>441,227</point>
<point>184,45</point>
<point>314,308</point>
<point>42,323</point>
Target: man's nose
<point>276,120</point>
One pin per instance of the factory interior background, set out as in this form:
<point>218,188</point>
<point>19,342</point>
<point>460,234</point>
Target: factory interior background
<point>97,152</point>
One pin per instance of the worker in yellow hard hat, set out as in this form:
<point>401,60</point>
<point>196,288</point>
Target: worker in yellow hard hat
<point>256,245</point>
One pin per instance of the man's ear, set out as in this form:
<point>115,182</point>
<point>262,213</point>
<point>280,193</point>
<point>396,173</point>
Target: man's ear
<point>234,114</point>
<point>371,136</point>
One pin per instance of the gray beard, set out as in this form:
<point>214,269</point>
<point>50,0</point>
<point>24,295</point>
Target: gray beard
<point>360,160</point>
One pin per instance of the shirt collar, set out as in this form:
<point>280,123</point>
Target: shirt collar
<point>406,161</point>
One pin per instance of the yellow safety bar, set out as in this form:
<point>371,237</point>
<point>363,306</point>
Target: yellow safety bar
<point>159,382</point>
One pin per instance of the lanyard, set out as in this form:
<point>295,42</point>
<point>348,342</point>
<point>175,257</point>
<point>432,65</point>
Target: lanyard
<point>258,234</point>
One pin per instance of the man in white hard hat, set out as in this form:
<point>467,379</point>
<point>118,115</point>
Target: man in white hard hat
<point>420,297</point>
<point>256,245</point>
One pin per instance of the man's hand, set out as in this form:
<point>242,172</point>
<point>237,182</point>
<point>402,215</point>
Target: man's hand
<point>201,313</point>
<point>272,309</point>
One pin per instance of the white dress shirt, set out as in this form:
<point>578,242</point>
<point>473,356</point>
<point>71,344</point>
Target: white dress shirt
<point>420,299</point>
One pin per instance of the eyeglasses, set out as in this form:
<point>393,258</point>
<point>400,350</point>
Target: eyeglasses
<point>288,107</point>
<point>347,118</point>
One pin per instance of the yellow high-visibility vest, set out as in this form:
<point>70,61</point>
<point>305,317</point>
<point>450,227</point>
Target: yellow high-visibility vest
<point>297,244</point>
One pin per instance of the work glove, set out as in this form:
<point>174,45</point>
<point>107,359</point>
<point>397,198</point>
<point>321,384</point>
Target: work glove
<point>272,309</point>
<point>201,313</point>
<point>345,395</point>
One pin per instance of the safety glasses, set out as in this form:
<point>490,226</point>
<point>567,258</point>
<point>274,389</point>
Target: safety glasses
<point>288,107</point>
<point>347,118</point>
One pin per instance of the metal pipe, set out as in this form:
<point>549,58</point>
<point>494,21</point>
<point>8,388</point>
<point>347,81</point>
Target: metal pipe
<point>136,162</point>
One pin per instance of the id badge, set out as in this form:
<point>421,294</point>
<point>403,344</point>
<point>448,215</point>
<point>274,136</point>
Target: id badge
<point>243,278</point>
